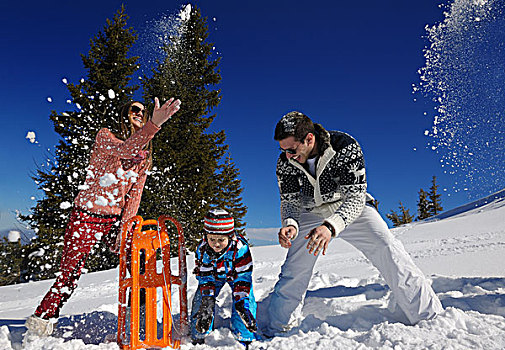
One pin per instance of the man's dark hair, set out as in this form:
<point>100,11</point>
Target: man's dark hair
<point>294,124</point>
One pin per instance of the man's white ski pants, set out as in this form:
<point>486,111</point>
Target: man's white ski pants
<point>369,234</point>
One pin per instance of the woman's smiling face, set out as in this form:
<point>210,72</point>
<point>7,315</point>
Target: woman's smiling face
<point>136,115</point>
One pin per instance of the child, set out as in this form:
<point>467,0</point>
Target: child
<point>98,206</point>
<point>223,257</point>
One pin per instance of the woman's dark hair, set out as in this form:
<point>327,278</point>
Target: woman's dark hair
<point>126,128</point>
<point>294,124</point>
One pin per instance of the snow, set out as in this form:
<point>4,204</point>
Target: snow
<point>185,14</point>
<point>468,130</point>
<point>65,205</point>
<point>30,136</point>
<point>14,236</point>
<point>462,251</point>
<point>108,179</point>
<point>101,200</point>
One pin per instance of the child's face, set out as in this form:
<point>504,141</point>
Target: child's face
<point>217,242</point>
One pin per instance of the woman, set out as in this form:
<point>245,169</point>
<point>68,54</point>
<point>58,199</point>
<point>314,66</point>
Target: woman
<point>111,194</point>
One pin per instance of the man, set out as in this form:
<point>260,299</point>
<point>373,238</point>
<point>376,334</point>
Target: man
<point>322,182</point>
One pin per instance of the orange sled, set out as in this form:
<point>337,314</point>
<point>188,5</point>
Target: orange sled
<point>139,278</point>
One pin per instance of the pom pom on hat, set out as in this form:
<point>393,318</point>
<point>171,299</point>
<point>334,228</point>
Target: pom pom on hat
<point>219,222</point>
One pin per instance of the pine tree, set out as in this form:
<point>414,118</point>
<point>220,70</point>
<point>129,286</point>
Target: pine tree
<point>10,261</point>
<point>189,174</point>
<point>434,196</point>
<point>401,218</point>
<point>97,100</point>
<point>394,217</point>
<point>423,205</point>
<point>228,192</point>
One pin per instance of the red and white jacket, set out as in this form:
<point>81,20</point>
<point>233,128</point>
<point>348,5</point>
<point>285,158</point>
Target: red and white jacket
<point>116,174</point>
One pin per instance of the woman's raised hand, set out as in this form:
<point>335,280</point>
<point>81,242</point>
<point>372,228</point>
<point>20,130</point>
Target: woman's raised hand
<point>163,113</point>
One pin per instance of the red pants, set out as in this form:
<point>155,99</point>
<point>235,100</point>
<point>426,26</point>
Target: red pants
<point>82,232</point>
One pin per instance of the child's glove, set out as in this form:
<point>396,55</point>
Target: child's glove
<point>205,314</point>
<point>246,316</point>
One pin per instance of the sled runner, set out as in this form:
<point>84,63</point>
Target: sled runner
<point>140,285</point>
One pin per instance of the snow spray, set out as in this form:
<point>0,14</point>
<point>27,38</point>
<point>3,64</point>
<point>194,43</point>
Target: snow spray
<point>159,35</point>
<point>464,75</point>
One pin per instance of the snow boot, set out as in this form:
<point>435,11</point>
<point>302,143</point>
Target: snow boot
<point>37,326</point>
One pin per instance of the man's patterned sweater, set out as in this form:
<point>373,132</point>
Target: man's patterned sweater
<point>338,191</point>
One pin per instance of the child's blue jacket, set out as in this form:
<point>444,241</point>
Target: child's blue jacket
<point>233,265</point>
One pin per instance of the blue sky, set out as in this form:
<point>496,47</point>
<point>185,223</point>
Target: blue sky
<point>348,65</point>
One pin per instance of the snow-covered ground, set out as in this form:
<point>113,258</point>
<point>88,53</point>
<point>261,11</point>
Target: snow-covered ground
<point>463,251</point>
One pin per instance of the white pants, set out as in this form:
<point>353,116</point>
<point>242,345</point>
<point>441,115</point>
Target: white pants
<point>369,234</point>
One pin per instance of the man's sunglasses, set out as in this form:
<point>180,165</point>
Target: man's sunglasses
<point>288,150</point>
<point>292,150</point>
<point>136,109</point>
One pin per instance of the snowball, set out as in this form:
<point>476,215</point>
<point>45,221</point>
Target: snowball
<point>30,135</point>
<point>49,99</point>
<point>64,80</point>
<point>14,236</point>
<point>107,180</point>
<point>65,205</point>
<point>112,94</point>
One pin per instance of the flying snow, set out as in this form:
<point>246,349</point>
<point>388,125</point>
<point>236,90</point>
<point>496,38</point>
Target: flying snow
<point>65,205</point>
<point>464,75</point>
<point>14,236</point>
<point>102,201</point>
<point>108,180</point>
<point>185,14</point>
<point>159,34</point>
<point>30,135</point>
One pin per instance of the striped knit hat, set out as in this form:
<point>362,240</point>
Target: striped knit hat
<point>218,222</point>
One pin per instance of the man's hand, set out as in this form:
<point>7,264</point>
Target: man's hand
<point>319,238</point>
<point>163,113</point>
<point>286,234</point>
